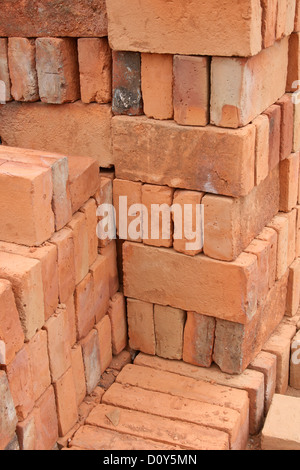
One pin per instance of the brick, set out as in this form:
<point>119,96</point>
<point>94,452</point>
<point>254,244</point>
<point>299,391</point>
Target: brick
<point>126,83</point>
<point>133,192</point>
<point>293,294</point>
<point>89,209</point>
<point>141,332</point>
<point>110,253</point>
<point>8,417</point>
<point>281,18</point>
<point>281,226</point>
<point>81,246</point>
<point>233,102</point>
<point>78,373</point>
<point>58,344</point>
<point>101,278</point>
<point>287,118</point>
<point>71,319</point>
<point>39,363</point>
<point>231,224</point>
<point>104,195</point>
<point>105,342</point>
<point>262,125</point>
<point>266,364</point>
<point>11,333</point>
<point>289,182</point>
<point>290,16</point>
<point>27,432</point>
<point>66,402</point>
<point>95,67</point>
<point>294,380</point>
<point>157,85</point>
<point>84,308</point>
<point>22,70</point>
<point>35,19</point>
<point>297,16</point>
<point>157,231</point>
<point>292,219</point>
<point>84,180</point>
<point>274,115</point>
<point>281,428</point>
<point>91,359</point>
<point>296,140</point>
<point>239,31</point>
<point>270,236</point>
<point>14,444</point>
<point>25,192</point>
<point>199,336</point>
<point>191,90</point>
<point>188,224</point>
<point>261,249</point>
<point>142,265</point>
<point>147,150</point>
<point>298,233</point>
<point>20,383</point>
<point>169,327</point>
<point>269,20</point>
<point>25,275</point>
<point>121,360</point>
<point>4,72</point>
<point>32,125</point>
<point>117,315</point>
<point>189,435</point>
<point>57,69</point>
<point>250,381</point>
<point>64,242</point>
<point>46,421</point>
<point>64,441</point>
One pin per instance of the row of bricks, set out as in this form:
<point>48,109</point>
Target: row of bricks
<point>54,71</point>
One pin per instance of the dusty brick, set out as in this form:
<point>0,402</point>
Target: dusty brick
<point>81,246</point>
<point>274,115</point>
<point>133,192</point>
<point>91,359</point>
<point>199,336</point>
<point>262,125</point>
<point>27,432</point>
<point>289,182</point>
<point>110,253</point>
<point>78,373</point>
<point>126,83</point>
<point>191,90</point>
<point>287,118</point>
<point>4,72</point>
<point>290,16</point>
<point>71,318</point>
<point>64,242</point>
<point>22,69</point>
<point>294,380</point>
<point>11,333</point>
<point>57,69</point>
<point>298,232</point>
<point>89,209</point>
<point>84,308</point>
<point>239,30</point>
<point>291,248</point>
<point>46,421</point>
<point>281,18</point>
<point>66,402</point>
<point>296,140</point>
<point>148,150</point>
<point>95,67</point>
<point>266,364</point>
<point>39,364</point>
<point>101,278</point>
<point>169,327</point>
<point>84,180</point>
<point>105,342</point>
<point>122,359</point>
<point>261,249</point>
<point>25,275</point>
<point>8,417</point>
<point>104,195</point>
<point>293,294</point>
<point>140,316</point>
<point>281,226</point>
<point>233,102</point>
<point>26,196</point>
<point>270,236</point>
<point>297,16</point>
<point>117,315</point>
<point>157,85</point>
<point>269,20</point>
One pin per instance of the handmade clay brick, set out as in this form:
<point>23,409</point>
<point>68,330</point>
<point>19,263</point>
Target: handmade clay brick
<point>291,250</point>
<point>110,253</point>
<point>269,20</point>
<point>148,150</point>
<point>140,316</point>
<point>57,69</point>
<point>191,90</point>
<point>297,16</point>
<point>296,140</point>
<point>66,402</point>
<point>199,336</point>
<point>188,222</point>
<point>95,65</point>
<point>64,242</point>
<point>293,294</point>
<point>32,125</point>
<point>26,195</point>
<point>281,226</point>
<point>78,373</point>
<point>281,428</point>
<point>274,115</point>
<point>157,85</point>
<point>117,315</point>
<point>105,342</point>
<point>266,363</point>
<point>27,432</point>
<point>104,195</point>
<point>231,224</point>
<point>298,232</point>
<point>261,148</point>
<point>295,363</point>
<point>133,192</point>
<point>25,275</point>
<point>89,209</point>
<point>46,421</point>
<point>11,333</point>
<point>22,69</point>
<point>281,18</point>
<point>290,16</point>
<point>81,246</point>
<point>121,360</point>
<point>71,316</point>
<point>239,30</point>
<point>270,236</point>
<point>58,344</point>
<point>287,118</point>
<point>126,83</point>
<point>4,72</point>
<point>8,417</point>
<point>169,327</point>
<point>100,273</point>
<point>289,182</point>
<point>142,268</point>
<point>233,102</point>
<point>84,308</point>
<point>261,249</point>
<point>84,180</point>
<point>157,231</point>
<point>39,364</point>
<point>91,359</point>
<point>20,383</point>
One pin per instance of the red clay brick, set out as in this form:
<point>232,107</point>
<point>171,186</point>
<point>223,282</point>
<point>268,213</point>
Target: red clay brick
<point>27,432</point>
<point>199,336</point>
<point>117,315</point>
<point>66,402</point>
<point>84,308</point>
<point>270,236</point>
<point>133,192</point>
<point>100,273</point>
<point>8,417</point>
<point>91,359</point>
<point>274,115</point>
<point>84,180</point>
<point>105,342</point>
<point>262,148</point>
<point>4,71</point>
<point>46,421</point>
<point>281,226</point>
<point>39,364</point>
<point>266,363</point>
<point>269,20</point>
<point>71,315</point>
<point>110,253</point>
<point>78,373</point>
<point>81,246</point>
<point>169,327</point>
<point>89,209</point>
<point>261,249</point>
<point>289,182</point>
<point>22,70</point>
<point>140,316</point>
<point>287,119</point>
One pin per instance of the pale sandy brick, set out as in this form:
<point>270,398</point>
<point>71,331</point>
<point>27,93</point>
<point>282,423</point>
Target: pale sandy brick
<point>266,363</point>
<point>169,327</point>
<point>22,69</point>
<point>91,359</point>
<point>8,417</point>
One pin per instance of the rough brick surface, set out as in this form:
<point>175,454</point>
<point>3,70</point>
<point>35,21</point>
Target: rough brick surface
<point>66,402</point>
<point>117,315</point>
<point>266,363</point>
<point>78,373</point>
<point>105,342</point>
<point>22,69</point>
<point>169,327</point>
<point>141,331</point>
<point>4,72</point>
<point>126,83</point>
<point>133,192</point>
<point>65,262</point>
<point>84,308</point>
<point>91,359</point>
<point>8,417</point>
<point>46,421</point>
<point>39,363</point>
<point>199,337</point>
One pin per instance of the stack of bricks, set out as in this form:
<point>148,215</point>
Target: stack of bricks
<point>61,316</point>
